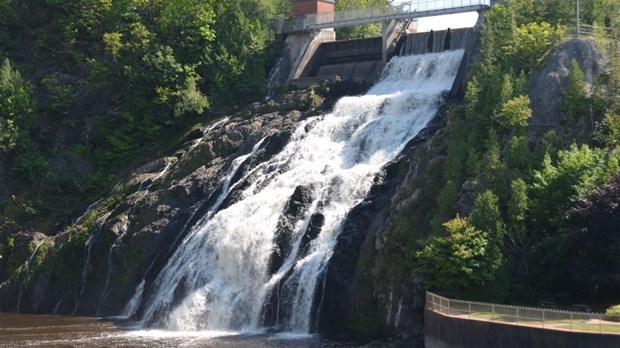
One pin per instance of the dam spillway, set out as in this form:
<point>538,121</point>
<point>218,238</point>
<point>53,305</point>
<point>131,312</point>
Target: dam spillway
<point>361,59</point>
<point>435,41</point>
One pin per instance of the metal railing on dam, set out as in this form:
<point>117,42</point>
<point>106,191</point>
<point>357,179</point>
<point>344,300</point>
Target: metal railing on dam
<point>551,319</point>
<point>407,10</point>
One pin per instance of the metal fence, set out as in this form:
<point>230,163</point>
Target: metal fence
<point>593,31</point>
<point>607,38</point>
<point>372,14</point>
<point>524,316</point>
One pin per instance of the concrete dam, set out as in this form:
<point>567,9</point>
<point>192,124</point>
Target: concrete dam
<point>311,53</point>
<point>364,59</point>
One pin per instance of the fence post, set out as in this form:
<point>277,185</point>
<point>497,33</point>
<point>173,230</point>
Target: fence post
<point>469,311</point>
<point>492,312</point>
<point>543,318</point>
<point>517,316</point>
<point>600,319</point>
<point>571,321</point>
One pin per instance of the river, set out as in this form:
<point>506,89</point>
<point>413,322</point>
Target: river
<point>26,330</point>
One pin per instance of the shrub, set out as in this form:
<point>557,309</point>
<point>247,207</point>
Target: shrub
<point>613,313</point>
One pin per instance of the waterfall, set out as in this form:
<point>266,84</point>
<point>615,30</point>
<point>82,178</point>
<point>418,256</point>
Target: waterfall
<point>435,41</point>
<point>132,306</point>
<point>265,250</point>
<point>26,272</point>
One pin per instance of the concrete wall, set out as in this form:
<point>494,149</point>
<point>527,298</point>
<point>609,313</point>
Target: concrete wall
<point>445,332</point>
<point>355,59</point>
<point>472,48</point>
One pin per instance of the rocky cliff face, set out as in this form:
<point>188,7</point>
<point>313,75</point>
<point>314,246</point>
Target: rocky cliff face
<point>547,87</point>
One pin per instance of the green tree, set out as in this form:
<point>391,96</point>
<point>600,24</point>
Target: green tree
<point>456,261</point>
<point>595,225</point>
<point>575,102</point>
<point>490,167</point>
<point>359,31</point>
<point>515,113</point>
<point>555,190</point>
<point>518,154</point>
<point>531,43</point>
<point>556,11</point>
<point>507,90</point>
<point>518,247</point>
<point>608,129</point>
<point>15,107</point>
<point>469,253</point>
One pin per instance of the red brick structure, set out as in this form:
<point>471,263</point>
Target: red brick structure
<point>305,7</point>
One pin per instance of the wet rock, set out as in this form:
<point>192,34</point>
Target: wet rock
<point>194,135</point>
<point>314,228</point>
<point>295,209</point>
<point>360,277</point>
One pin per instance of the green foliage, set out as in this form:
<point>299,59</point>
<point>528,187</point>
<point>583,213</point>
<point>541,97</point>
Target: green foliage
<point>524,10</point>
<point>359,31</point>
<point>575,102</point>
<point>613,313</point>
<point>454,261</point>
<point>459,260</point>
<point>490,166</point>
<point>555,190</point>
<point>114,82</point>
<point>531,43</point>
<point>486,217</point>
<point>515,112</point>
<point>518,155</point>
<point>518,243</point>
<point>556,11</point>
<point>578,170</point>
<point>517,208</point>
<point>15,107</point>
<point>594,225</point>
<point>59,96</point>
<point>608,130</point>
<point>531,181</point>
<point>470,253</point>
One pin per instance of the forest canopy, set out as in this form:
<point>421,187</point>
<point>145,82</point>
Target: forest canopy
<point>533,192</point>
<point>110,83</point>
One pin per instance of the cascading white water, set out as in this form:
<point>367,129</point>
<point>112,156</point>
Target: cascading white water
<point>26,272</point>
<point>221,269</point>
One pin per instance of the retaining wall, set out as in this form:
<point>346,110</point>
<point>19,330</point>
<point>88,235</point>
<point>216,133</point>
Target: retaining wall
<point>448,332</point>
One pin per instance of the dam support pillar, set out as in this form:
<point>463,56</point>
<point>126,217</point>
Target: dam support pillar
<point>300,46</point>
<point>390,32</point>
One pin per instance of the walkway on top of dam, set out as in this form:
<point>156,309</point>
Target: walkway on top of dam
<point>406,10</point>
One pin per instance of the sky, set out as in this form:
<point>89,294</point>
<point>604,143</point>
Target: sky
<point>461,20</point>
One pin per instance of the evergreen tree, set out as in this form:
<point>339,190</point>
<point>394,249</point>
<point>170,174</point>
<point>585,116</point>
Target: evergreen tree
<point>575,102</point>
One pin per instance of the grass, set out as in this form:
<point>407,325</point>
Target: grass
<point>604,328</point>
<point>559,324</point>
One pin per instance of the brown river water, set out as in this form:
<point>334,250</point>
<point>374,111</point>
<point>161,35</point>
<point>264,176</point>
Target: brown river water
<point>25,330</point>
